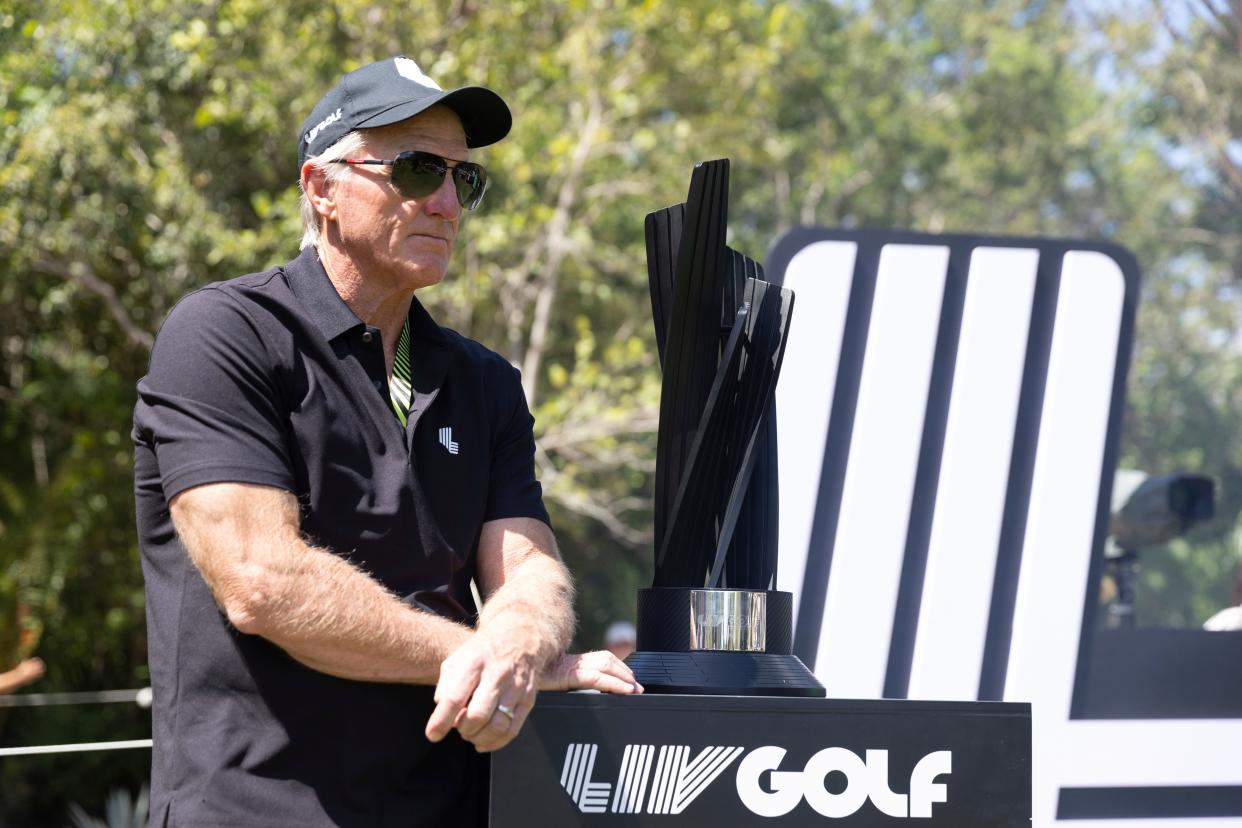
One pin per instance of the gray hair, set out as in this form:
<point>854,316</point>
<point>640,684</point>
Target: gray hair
<point>353,143</point>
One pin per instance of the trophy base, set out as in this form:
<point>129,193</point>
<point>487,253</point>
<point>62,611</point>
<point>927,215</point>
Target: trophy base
<point>707,673</point>
<point>719,642</point>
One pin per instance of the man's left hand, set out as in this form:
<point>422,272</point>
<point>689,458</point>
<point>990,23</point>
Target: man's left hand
<point>600,670</point>
<point>477,680</point>
<point>485,692</point>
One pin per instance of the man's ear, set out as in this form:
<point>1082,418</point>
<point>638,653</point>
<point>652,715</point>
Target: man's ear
<point>318,191</point>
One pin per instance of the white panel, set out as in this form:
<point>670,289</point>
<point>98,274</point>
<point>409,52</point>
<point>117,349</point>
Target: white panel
<point>1064,494</point>
<point>1125,753</point>
<point>879,479</point>
<point>974,471</point>
<point>1053,584</point>
<point>820,275</point>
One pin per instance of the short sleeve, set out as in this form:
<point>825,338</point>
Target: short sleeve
<point>513,490</point>
<point>210,406</point>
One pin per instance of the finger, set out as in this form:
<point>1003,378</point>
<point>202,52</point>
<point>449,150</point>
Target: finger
<point>599,670</point>
<point>445,717</point>
<point>606,683</point>
<point>606,662</point>
<point>494,736</point>
<point>452,694</point>
<point>503,729</point>
<point>483,703</point>
<point>510,708</point>
<point>604,672</point>
<point>522,705</point>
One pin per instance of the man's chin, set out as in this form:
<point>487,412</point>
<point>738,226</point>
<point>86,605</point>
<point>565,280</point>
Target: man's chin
<point>425,278</point>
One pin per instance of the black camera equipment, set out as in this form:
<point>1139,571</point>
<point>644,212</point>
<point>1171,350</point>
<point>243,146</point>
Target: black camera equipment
<point>1162,508</point>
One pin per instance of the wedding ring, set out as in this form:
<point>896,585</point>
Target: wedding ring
<point>506,709</point>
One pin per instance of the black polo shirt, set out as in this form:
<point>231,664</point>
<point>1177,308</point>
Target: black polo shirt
<point>271,379</point>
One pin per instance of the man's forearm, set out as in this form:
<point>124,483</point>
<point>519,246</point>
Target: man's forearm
<point>321,609</point>
<point>335,618</point>
<point>532,607</point>
<point>535,605</point>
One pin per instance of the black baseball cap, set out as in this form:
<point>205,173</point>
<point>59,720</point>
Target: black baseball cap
<point>392,90</point>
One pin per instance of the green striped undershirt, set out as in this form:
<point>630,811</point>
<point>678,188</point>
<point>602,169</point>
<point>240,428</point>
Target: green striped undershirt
<point>400,386</point>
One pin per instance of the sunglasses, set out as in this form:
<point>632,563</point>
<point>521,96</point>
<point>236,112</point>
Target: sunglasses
<point>416,174</point>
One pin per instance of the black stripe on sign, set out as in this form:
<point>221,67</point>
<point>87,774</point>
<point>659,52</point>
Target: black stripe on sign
<point>1021,470</point>
<point>836,454</point>
<point>927,476</point>
<point>1177,802</point>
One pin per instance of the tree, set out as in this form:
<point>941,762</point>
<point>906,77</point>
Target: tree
<point>1184,407</point>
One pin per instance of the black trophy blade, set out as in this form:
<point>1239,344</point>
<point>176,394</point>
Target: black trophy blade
<point>663,230</point>
<point>663,235</point>
<point>751,561</point>
<point>685,556</point>
<point>745,567</point>
<point>767,332</point>
<point>734,284</point>
<point>692,349</point>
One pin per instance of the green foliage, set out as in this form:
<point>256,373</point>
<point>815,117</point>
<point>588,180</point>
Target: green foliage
<point>149,146</point>
<point>1184,410</point>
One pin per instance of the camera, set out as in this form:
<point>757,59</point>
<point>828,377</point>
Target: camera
<point>1162,508</point>
<point>1156,510</point>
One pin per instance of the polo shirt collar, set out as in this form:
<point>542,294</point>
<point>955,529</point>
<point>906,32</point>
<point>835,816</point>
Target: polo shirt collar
<point>310,283</point>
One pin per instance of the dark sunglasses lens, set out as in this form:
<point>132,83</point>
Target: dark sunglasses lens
<point>470,181</point>
<point>417,174</point>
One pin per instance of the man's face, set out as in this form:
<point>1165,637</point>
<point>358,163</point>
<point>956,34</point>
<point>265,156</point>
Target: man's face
<point>395,241</point>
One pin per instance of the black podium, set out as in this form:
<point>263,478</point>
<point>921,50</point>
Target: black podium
<point>591,759</point>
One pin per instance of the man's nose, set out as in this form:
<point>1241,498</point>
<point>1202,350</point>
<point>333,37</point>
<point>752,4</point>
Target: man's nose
<point>443,201</point>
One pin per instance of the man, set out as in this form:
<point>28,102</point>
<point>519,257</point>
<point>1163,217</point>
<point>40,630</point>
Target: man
<point>321,471</point>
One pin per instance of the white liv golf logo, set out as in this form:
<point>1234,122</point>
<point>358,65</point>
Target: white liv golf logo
<point>865,779</point>
<point>678,781</point>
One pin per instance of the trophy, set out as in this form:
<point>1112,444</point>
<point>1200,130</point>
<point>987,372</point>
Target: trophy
<point>711,622</point>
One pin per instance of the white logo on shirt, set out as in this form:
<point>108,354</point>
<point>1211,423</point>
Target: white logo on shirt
<point>446,439</point>
<point>407,68</point>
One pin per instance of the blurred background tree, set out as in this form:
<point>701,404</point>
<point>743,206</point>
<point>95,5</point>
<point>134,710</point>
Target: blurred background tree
<point>1183,64</point>
<point>149,147</point>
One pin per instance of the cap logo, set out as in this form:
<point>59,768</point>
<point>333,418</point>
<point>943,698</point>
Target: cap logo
<point>407,68</point>
<point>321,126</point>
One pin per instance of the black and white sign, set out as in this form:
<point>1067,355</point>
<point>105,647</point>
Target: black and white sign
<point>589,759</point>
<point>949,428</point>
